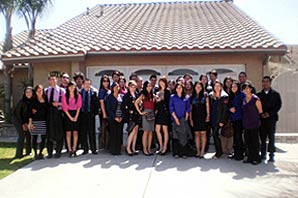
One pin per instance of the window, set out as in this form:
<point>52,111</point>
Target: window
<point>181,72</point>
<point>146,72</point>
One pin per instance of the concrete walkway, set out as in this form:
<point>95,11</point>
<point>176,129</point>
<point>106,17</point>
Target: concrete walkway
<point>155,177</point>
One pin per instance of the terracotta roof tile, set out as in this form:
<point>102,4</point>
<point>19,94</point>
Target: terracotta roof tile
<point>158,27</point>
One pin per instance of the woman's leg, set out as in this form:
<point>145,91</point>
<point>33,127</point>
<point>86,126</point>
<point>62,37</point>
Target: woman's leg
<point>68,140</point>
<point>166,138</point>
<point>204,141</point>
<point>75,140</point>
<point>34,144</point>
<point>42,144</point>
<point>159,137</point>
<point>198,142</point>
<point>144,142</point>
<point>135,137</point>
<point>20,141</point>
<point>130,141</point>
<point>150,137</point>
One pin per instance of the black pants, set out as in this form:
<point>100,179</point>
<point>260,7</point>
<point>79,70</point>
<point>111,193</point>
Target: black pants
<point>87,131</point>
<point>208,137</point>
<point>50,146</point>
<point>253,145</point>
<point>217,142</point>
<point>238,139</point>
<point>178,149</point>
<point>116,131</point>
<point>103,138</point>
<point>22,136</point>
<point>267,130</point>
<point>41,145</point>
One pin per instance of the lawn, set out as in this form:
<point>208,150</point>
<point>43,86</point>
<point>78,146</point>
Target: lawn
<point>7,162</point>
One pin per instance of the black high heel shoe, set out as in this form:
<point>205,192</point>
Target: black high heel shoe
<point>146,154</point>
<point>129,154</point>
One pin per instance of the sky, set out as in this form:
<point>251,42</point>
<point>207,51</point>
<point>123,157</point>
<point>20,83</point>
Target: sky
<point>280,17</point>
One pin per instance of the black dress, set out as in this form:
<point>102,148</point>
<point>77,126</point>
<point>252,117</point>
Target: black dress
<point>199,113</point>
<point>162,107</point>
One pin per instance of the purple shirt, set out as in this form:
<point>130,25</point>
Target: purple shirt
<point>58,93</point>
<point>179,105</point>
<point>251,117</point>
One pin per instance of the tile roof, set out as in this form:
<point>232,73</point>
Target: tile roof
<point>153,27</point>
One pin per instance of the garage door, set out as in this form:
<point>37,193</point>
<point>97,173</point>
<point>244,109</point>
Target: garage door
<point>172,72</point>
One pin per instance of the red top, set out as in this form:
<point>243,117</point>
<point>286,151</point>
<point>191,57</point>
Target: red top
<point>148,104</point>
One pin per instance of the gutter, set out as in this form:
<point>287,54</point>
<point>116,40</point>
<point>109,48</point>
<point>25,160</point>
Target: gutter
<point>279,51</point>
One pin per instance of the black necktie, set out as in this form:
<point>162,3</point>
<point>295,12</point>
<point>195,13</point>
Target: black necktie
<point>86,101</point>
<point>52,95</point>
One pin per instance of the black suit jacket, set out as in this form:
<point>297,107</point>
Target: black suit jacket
<point>271,103</point>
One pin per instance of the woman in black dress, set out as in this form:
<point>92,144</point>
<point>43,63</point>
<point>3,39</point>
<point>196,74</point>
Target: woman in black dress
<point>199,116</point>
<point>131,116</point>
<point>20,120</point>
<point>162,115</point>
<point>38,120</point>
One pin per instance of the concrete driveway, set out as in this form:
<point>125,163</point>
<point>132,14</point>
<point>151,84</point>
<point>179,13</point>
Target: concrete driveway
<point>154,177</point>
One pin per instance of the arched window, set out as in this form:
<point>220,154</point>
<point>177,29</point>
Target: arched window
<point>181,72</point>
<point>146,72</point>
<point>108,72</point>
<point>222,71</point>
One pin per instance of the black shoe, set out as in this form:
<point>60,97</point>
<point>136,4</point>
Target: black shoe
<point>246,161</point>
<point>271,159</point>
<point>50,156</point>
<point>57,155</point>
<point>238,158</point>
<point>85,152</point>
<point>176,156</point>
<point>263,157</point>
<point>94,153</point>
<point>231,156</point>
<point>70,154</point>
<point>40,156</point>
<point>74,153</point>
<point>135,152</point>
<point>255,162</point>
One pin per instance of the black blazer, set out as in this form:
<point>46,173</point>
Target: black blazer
<point>128,107</point>
<point>94,101</point>
<point>271,103</point>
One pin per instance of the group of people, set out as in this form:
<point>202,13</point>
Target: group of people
<point>159,115</point>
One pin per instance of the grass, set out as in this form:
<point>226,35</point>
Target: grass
<point>7,162</point>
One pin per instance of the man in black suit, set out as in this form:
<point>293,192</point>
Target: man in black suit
<point>89,110</point>
<point>271,103</point>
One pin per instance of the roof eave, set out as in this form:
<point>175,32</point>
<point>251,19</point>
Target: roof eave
<point>34,59</point>
<point>280,51</point>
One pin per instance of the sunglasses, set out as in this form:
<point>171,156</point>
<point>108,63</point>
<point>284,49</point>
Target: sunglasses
<point>105,81</point>
<point>65,77</point>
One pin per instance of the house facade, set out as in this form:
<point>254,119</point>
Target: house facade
<point>170,38</point>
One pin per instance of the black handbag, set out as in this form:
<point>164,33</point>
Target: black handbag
<point>150,116</point>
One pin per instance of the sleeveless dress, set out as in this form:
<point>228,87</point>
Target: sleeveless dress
<point>199,113</point>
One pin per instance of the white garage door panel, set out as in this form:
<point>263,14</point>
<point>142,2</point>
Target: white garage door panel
<point>165,70</point>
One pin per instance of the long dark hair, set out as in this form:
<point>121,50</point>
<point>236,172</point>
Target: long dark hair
<point>147,95</point>
<point>164,80</point>
<point>225,88</point>
<point>232,95</point>
<point>101,81</point>
<point>43,92</point>
<point>183,90</point>
<point>201,94</point>
<point>67,94</point>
